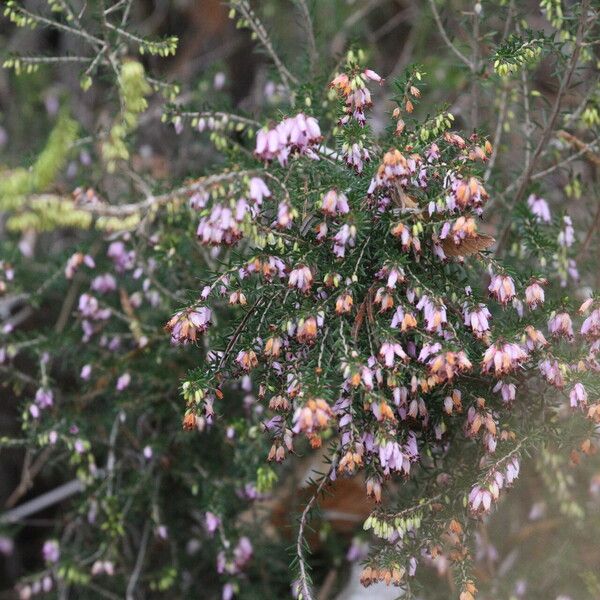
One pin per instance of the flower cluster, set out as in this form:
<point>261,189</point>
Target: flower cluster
<point>483,495</point>
<point>360,322</point>
<point>300,134</point>
<point>334,286</point>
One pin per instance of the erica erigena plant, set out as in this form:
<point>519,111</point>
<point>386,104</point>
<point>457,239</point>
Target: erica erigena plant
<point>370,313</point>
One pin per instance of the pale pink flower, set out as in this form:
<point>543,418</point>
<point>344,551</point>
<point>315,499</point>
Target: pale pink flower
<point>199,200</point>
<point>507,391</point>
<point>74,262</point>
<point>212,522</point>
<point>560,324</point>
<point>433,312</point>
<point>123,382</point>
<point>591,326</point>
<point>356,156</point>
<point>370,74</point>
<point>552,372</point>
<point>395,275</point>
<point>539,207</point>
<point>321,230</point>
<point>366,375</point>
<point>51,551</point>
<point>334,203</point>
<point>44,398</point>
<point>89,307</point>
<point>298,134</point>
<point>258,190</point>
<point>301,278</point>
<point>502,288</point>
<point>534,294</point>
<point>285,215</point>
<point>578,396</point>
<point>358,550</point>
<point>187,324</point>
<point>503,357</point>
<point>481,496</point>
<point>388,352</point>
<point>512,470</point>
<point>104,283</point>
<point>477,318</point>
<point>393,458</point>
<point>221,226</point>
<point>247,359</point>
<point>566,237</point>
<point>480,500</point>
<point>432,153</point>
<point>312,417</point>
<point>121,257</point>
<point>534,338</point>
<point>103,567</point>
<point>345,237</point>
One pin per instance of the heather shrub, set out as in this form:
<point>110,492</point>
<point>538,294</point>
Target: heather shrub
<point>356,277</point>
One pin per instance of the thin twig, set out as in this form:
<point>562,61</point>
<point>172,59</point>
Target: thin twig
<point>62,492</point>
<point>237,333</point>
<point>47,60</point>
<point>584,150</point>
<point>28,474</point>
<point>111,459</point>
<point>575,141</point>
<point>528,124</point>
<point>474,71</point>
<point>440,25</point>
<point>590,235</point>
<point>61,26</point>
<point>498,133</point>
<point>310,33</point>
<point>546,134</point>
<point>304,584</point>
<point>339,40</point>
<point>139,563</point>
<point>261,33</point>
<point>503,102</point>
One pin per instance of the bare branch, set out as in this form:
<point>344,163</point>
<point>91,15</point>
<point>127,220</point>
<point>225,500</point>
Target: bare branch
<point>304,582</point>
<point>547,133</point>
<point>498,133</point>
<point>310,33</point>
<point>261,33</point>
<point>440,25</point>
<point>139,563</point>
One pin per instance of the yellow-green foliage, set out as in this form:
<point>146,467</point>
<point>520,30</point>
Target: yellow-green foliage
<point>48,212</point>
<point>166,47</point>
<point>133,89</point>
<point>20,66</point>
<point>17,184</point>
<point>118,223</point>
<point>554,12</point>
<point>519,56</point>
<point>590,117</point>
<point>14,13</point>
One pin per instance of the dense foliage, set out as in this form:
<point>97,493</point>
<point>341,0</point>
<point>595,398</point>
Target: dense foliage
<point>391,295</point>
